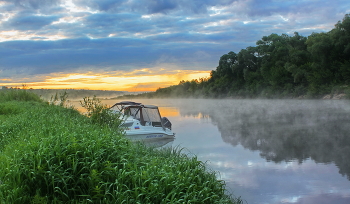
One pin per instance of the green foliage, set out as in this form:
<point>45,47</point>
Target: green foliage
<point>51,154</point>
<point>100,113</point>
<point>279,66</point>
<point>18,95</point>
<point>8,109</point>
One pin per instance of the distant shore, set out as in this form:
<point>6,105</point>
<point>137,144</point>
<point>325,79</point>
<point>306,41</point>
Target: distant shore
<point>150,95</point>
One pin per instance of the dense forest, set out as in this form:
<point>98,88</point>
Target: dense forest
<point>279,66</point>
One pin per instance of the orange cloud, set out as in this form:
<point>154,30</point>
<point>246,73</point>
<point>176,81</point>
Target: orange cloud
<point>137,80</point>
<point>5,80</point>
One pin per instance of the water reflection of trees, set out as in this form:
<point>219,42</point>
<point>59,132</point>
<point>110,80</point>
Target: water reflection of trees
<point>284,130</point>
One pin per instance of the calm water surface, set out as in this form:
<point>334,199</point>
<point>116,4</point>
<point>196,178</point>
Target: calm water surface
<point>268,151</point>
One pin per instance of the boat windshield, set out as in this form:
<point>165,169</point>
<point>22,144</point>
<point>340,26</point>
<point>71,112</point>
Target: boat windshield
<point>133,111</point>
<point>151,115</point>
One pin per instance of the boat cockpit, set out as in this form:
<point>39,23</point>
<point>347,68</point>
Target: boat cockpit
<point>147,115</point>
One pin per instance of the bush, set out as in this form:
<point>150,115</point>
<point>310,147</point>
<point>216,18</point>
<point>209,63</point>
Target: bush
<point>100,113</point>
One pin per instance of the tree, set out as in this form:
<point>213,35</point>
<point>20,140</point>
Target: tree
<point>274,52</point>
<point>320,47</point>
<point>340,36</point>
<point>298,60</point>
<point>225,63</point>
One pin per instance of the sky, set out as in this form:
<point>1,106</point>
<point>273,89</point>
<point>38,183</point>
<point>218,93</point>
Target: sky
<point>141,45</point>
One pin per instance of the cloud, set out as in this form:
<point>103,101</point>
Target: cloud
<point>54,36</point>
<point>34,4</point>
<point>29,22</point>
<point>151,6</point>
<point>46,7</point>
<point>161,6</point>
<point>47,57</point>
<point>115,23</point>
<point>101,5</point>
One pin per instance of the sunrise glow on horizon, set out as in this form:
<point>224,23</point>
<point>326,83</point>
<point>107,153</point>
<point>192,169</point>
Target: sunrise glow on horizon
<point>116,82</point>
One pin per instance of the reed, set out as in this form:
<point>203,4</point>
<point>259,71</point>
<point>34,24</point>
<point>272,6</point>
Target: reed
<point>52,154</point>
<point>18,95</point>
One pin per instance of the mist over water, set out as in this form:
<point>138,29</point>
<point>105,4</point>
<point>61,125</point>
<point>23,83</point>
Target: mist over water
<point>282,130</point>
<point>268,151</point>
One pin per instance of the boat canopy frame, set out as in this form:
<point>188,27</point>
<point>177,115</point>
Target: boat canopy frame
<point>146,114</point>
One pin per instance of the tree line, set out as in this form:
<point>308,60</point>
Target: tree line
<point>278,66</point>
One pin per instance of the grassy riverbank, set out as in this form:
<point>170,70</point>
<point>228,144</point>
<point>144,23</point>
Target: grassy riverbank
<point>52,154</point>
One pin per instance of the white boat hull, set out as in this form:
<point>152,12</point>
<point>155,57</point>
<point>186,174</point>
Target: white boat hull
<point>156,143</point>
<point>141,134</point>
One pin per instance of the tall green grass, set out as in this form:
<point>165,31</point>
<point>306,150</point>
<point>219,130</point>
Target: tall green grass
<point>18,95</point>
<point>51,154</point>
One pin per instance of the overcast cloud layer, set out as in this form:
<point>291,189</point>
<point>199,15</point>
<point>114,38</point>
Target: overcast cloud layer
<point>43,37</point>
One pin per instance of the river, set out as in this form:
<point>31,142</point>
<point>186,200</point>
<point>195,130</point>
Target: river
<point>267,151</point>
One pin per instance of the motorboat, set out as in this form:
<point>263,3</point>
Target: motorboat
<point>142,121</point>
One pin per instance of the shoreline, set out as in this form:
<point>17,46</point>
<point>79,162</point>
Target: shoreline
<point>341,96</point>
